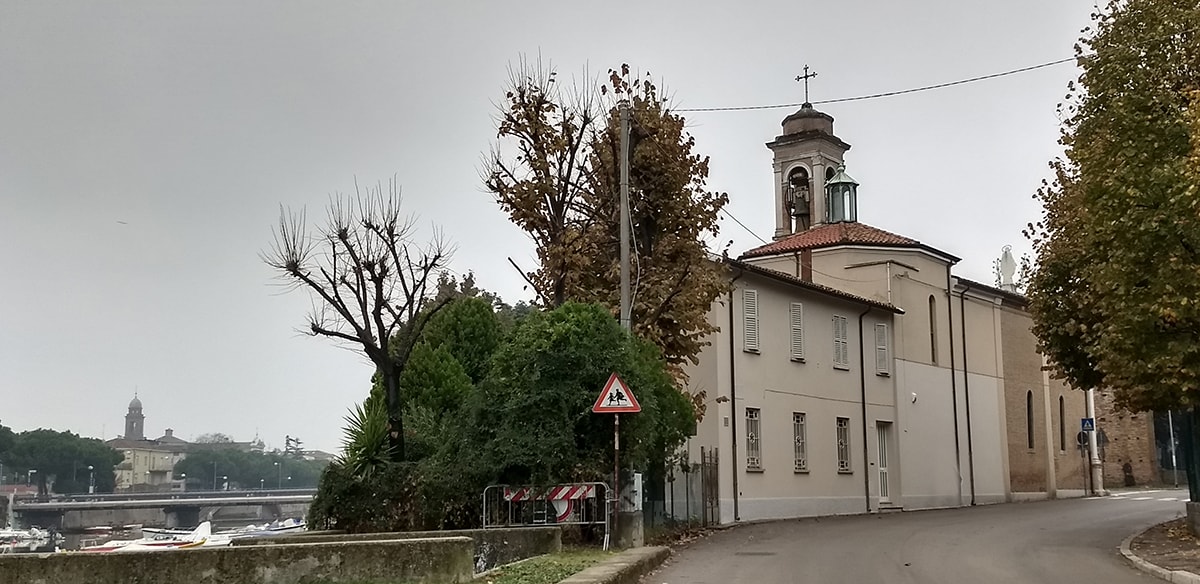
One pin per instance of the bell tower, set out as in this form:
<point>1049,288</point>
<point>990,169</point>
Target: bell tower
<point>135,421</point>
<point>807,155</point>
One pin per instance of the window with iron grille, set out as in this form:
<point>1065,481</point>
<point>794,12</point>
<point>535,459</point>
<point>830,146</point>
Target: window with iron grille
<point>753,439</point>
<point>843,444</point>
<point>800,435</point>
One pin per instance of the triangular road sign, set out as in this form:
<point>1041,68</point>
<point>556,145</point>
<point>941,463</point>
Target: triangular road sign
<point>616,398</point>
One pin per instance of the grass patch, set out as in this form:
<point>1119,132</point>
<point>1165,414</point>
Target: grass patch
<point>548,569</point>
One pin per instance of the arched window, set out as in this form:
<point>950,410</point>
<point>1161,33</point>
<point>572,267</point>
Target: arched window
<point>1062,424</point>
<point>1029,418</point>
<point>932,330</point>
<point>796,196</point>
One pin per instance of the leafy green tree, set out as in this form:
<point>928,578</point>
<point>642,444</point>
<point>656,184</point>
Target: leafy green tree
<point>214,438</point>
<point>466,330</point>
<point>246,470</point>
<point>1117,276</point>
<point>534,419</point>
<point>370,280</point>
<point>555,173</point>
<point>61,460</point>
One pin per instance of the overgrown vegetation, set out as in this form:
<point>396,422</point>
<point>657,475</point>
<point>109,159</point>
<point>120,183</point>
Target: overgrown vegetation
<point>527,420</point>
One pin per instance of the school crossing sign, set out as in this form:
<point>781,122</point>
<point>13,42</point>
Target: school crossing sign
<point>616,398</point>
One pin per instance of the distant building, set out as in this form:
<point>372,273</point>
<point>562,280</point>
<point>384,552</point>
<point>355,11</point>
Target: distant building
<point>148,464</point>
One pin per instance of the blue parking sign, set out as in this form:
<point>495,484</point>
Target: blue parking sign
<point>1087,424</point>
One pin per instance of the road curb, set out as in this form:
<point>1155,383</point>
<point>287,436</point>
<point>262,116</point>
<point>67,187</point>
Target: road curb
<point>1176,576</point>
<point>624,568</point>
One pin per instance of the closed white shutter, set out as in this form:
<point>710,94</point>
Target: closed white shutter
<point>750,320</point>
<point>883,356</point>
<point>797,326</point>
<point>841,349</point>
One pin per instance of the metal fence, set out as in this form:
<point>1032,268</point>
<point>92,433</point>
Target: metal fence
<point>684,492</point>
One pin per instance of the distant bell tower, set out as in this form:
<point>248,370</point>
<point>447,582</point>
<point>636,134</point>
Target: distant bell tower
<point>135,421</point>
<point>807,155</point>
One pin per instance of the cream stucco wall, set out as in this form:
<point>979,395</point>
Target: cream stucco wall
<point>777,386</point>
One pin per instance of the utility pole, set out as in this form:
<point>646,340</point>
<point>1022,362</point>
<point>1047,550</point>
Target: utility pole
<point>623,107</point>
<point>1174,465</point>
<point>1097,471</point>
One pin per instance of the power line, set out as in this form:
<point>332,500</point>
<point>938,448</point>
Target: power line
<point>878,95</point>
<point>748,230</point>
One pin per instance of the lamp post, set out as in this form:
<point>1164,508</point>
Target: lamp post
<point>183,480</point>
<point>91,480</point>
<point>29,476</point>
<point>279,468</point>
<point>224,482</point>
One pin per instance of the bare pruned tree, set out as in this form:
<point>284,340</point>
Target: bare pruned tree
<point>370,280</point>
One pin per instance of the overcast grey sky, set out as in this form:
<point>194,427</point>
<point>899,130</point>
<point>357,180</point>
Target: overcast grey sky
<point>145,148</point>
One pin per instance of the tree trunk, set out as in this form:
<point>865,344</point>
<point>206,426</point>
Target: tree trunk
<point>391,377</point>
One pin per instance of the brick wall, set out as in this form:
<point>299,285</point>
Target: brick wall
<point>1130,441</point>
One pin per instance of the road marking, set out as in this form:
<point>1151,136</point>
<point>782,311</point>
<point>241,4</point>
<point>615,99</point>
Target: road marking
<point>1142,498</point>
<point>1168,499</point>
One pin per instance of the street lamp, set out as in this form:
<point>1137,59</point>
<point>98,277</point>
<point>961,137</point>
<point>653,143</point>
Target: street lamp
<point>279,467</point>
<point>29,476</point>
<point>91,480</point>
<point>183,479</point>
<point>225,482</point>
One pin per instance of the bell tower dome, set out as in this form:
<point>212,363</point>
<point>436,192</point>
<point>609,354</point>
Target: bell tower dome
<point>806,155</point>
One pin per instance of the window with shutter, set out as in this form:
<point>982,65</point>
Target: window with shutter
<point>750,321</point>
<point>883,354</point>
<point>841,344</point>
<point>797,328</point>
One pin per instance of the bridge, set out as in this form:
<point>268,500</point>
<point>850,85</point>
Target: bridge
<point>181,509</point>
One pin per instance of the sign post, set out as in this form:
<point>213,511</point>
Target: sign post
<point>616,399</point>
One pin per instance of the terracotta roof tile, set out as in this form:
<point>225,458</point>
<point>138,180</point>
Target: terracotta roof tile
<point>848,233</point>
<point>790,279</point>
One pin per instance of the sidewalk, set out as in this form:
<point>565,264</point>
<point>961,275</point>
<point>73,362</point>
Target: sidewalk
<point>1167,550</point>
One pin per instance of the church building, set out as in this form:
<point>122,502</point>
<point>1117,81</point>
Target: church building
<point>855,373</point>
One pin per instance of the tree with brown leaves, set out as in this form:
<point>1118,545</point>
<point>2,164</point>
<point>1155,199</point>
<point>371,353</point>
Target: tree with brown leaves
<point>559,183</point>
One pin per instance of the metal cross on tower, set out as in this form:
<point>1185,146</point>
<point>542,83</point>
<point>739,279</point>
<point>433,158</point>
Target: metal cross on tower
<point>805,79</point>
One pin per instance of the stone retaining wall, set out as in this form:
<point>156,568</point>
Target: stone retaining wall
<point>492,547</point>
<point>424,560</point>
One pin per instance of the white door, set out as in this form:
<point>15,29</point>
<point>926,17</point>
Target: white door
<point>883,428</point>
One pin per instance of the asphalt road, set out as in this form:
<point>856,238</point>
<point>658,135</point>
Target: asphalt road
<point>1073,540</point>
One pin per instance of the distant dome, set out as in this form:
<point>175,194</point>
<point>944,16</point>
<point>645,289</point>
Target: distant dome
<point>136,404</point>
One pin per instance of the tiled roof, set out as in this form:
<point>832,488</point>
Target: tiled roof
<point>831,234</point>
<point>790,279</point>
